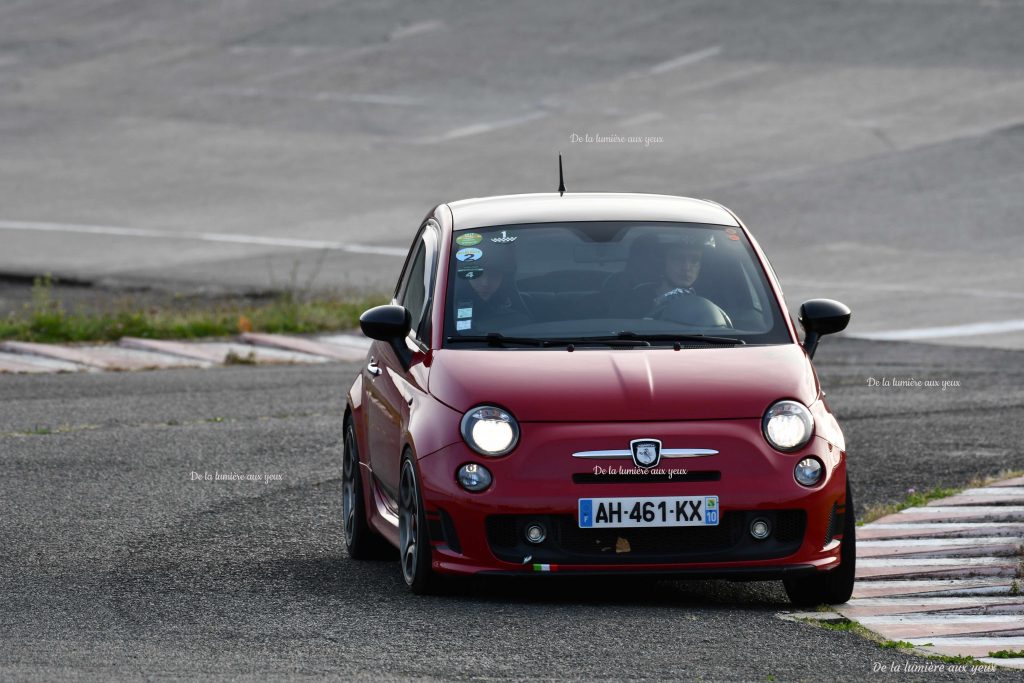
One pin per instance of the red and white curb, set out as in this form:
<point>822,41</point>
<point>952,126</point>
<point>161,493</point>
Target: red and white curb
<point>946,577</point>
<point>152,354</point>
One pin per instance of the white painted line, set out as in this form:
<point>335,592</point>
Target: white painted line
<point>942,529</point>
<point>18,363</point>
<point>1010,619</point>
<point>994,491</point>
<point>937,584</point>
<point>351,340</point>
<point>74,228</point>
<point>646,117</point>
<point>931,587</point>
<point>305,345</point>
<point>69,354</point>
<point>481,128</point>
<point>895,287</point>
<point>975,647</point>
<point>321,96</point>
<point>416,29</point>
<point>261,355</point>
<point>938,532</point>
<point>933,561</point>
<point>1011,642</point>
<point>970,330</point>
<point>367,98</point>
<point>1011,663</point>
<point>936,602</point>
<point>686,60</point>
<point>956,511</point>
<point>940,542</point>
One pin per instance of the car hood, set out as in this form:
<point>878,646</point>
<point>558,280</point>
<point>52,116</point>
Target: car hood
<point>601,385</point>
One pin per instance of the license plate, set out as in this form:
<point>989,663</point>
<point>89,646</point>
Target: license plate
<point>648,512</point>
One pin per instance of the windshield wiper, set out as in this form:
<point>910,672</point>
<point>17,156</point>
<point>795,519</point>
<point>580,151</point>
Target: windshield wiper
<point>681,338</point>
<point>498,339</point>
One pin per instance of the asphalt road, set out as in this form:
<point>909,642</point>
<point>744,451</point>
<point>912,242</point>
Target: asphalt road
<point>114,564</point>
<point>875,147</point>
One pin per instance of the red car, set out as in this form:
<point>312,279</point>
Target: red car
<point>593,384</point>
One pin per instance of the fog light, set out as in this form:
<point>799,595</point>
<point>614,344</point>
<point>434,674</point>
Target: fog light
<point>474,477</point>
<point>760,528</point>
<point>808,471</point>
<point>535,533</point>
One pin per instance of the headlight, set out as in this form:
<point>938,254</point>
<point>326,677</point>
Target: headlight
<point>787,425</point>
<point>490,431</point>
<point>474,477</point>
<point>808,471</point>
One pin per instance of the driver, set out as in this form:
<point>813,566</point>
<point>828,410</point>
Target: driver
<point>682,268</point>
<point>676,296</point>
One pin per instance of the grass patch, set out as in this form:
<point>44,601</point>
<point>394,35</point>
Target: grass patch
<point>840,625</point>
<point>46,320</point>
<point>854,627</point>
<point>1006,654</point>
<point>913,499</point>
<point>921,498</point>
<point>957,659</point>
<point>232,358</point>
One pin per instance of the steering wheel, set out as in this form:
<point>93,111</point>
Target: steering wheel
<point>692,309</point>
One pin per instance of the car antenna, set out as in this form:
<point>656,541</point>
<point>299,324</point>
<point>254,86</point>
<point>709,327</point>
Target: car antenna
<point>561,178</point>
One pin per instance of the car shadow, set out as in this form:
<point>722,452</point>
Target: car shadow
<point>337,576</point>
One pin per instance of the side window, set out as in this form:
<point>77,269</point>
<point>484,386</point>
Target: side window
<point>415,295</point>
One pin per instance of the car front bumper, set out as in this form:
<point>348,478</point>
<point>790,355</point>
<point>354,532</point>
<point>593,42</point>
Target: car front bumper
<point>540,482</point>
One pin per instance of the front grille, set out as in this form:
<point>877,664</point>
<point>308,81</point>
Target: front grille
<point>504,531</point>
<point>790,525</point>
<point>659,478</point>
<point>836,522</point>
<point>567,543</point>
<point>442,530</point>
<point>830,528</point>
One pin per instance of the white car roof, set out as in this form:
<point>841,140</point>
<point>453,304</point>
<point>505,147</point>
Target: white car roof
<point>585,206</point>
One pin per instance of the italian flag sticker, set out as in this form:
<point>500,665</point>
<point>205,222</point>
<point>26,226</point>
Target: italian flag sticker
<point>545,567</point>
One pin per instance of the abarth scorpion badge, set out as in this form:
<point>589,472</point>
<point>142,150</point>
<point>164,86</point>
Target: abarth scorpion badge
<point>646,452</point>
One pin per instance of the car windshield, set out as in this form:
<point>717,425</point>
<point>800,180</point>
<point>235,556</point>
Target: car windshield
<point>626,283</point>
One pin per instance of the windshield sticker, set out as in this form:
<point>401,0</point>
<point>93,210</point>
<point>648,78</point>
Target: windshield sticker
<point>466,312</point>
<point>504,239</point>
<point>463,324</point>
<point>469,239</point>
<point>734,238</point>
<point>731,231</point>
<point>469,272</point>
<point>469,254</point>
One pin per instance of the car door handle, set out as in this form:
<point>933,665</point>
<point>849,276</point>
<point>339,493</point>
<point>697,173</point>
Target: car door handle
<point>373,368</point>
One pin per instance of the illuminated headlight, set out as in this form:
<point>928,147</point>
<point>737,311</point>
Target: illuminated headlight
<point>787,425</point>
<point>808,471</point>
<point>473,477</point>
<point>490,431</point>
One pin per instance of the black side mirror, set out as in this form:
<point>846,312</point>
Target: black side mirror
<point>390,324</point>
<point>820,317</point>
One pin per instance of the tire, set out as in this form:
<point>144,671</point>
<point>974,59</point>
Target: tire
<point>361,542</point>
<point>836,586</point>
<point>414,549</point>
